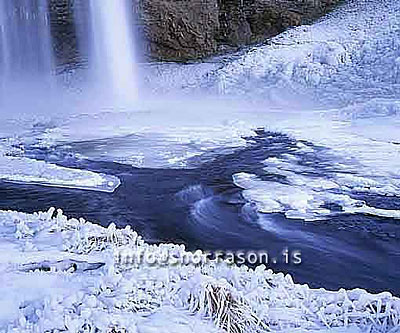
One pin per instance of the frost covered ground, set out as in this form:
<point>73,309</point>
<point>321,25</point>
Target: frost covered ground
<point>69,275</point>
<point>334,84</point>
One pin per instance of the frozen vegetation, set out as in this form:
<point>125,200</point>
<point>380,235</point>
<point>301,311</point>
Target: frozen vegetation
<point>70,275</point>
<point>331,85</point>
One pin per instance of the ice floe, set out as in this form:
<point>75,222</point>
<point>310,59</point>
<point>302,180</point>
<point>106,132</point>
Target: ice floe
<point>308,190</point>
<point>28,171</point>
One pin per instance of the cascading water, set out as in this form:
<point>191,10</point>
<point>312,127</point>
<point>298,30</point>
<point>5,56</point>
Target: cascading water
<point>112,57</point>
<point>25,42</point>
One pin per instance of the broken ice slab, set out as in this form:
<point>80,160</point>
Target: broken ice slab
<point>28,171</point>
<point>66,265</point>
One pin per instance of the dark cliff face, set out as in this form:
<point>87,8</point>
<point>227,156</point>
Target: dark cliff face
<point>253,21</point>
<point>190,29</point>
<point>65,42</point>
<point>182,30</point>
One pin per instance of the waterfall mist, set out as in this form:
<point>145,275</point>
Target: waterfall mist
<point>27,64</point>
<point>26,56</point>
<point>25,49</point>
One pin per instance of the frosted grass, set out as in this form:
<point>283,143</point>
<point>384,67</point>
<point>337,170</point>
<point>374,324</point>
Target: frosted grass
<point>79,276</point>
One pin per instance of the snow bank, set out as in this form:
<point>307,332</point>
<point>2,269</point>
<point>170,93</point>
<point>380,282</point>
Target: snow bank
<point>358,40</point>
<point>78,276</point>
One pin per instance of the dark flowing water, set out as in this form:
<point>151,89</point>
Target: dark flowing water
<point>203,209</point>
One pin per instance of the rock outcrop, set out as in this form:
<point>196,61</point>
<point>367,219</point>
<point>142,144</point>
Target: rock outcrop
<point>252,21</point>
<point>179,30</point>
<point>191,29</point>
<point>182,30</point>
<point>65,42</point>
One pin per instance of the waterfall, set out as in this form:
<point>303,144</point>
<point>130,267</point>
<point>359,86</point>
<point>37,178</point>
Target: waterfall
<point>112,55</point>
<point>25,42</point>
<point>26,52</point>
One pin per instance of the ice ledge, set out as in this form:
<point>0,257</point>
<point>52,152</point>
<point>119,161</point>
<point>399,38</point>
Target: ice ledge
<point>28,171</point>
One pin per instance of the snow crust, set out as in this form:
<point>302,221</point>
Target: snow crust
<point>77,276</point>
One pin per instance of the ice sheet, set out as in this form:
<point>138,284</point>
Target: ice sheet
<point>29,171</point>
